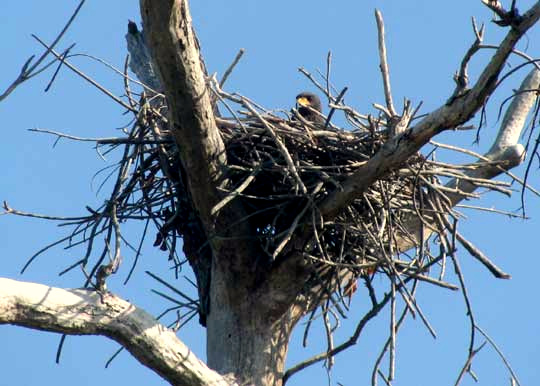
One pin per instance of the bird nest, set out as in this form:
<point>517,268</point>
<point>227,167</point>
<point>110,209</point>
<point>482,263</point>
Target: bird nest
<point>282,169</point>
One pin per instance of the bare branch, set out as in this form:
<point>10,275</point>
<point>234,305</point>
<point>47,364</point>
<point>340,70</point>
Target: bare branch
<point>516,114</point>
<point>27,70</point>
<point>229,70</point>
<point>514,378</point>
<point>84,76</point>
<point>504,154</point>
<point>399,148</point>
<point>84,312</point>
<point>176,53</point>
<point>505,148</point>
<point>506,17</point>
<point>384,64</point>
<point>478,255</point>
<point>105,140</point>
<point>462,78</point>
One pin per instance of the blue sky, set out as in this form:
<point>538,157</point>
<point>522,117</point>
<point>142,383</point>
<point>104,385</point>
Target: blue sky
<point>425,39</point>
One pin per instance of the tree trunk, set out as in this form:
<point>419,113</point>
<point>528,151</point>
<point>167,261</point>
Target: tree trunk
<point>243,341</point>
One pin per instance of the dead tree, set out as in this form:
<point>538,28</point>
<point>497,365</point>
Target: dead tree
<point>280,217</point>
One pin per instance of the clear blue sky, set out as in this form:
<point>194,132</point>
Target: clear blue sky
<point>426,40</point>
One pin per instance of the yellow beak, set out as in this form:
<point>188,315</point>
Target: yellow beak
<point>303,101</point>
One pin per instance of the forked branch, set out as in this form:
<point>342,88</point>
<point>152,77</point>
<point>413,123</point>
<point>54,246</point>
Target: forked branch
<point>446,117</point>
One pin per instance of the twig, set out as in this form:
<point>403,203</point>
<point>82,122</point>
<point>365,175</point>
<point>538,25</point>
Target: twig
<point>506,17</point>
<point>104,140</point>
<point>231,67</point>
<point>492,210</point>
<point>483,158</point>
<point>63,57</point>
<point>478,255</point>
<point>312,79</point>
<point>27,69</point>
<point>293,227</point>
<point>351,341</point>
<point>105,271</point>
<point>86,77</point>
<point>235,192</point>
<point>500,353</point>
<point>329,338</point>
<point>384,65</point>
<point>280,144</point>
<point>376,308</point>
<point>431,280</point>
<point>123,74</point>
<point>333,109</point>
<point>376,369</point>
<point>462,78</point>
<point>327,77</point>
<point>393,331</point>
<point>472,352</point>
<point>9,210</point>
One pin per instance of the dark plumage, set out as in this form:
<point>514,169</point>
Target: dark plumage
<point>306,103</point>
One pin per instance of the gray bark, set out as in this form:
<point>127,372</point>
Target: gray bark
<point>244,344</point>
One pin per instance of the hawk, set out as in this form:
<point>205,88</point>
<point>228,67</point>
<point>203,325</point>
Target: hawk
<point>308,105</point>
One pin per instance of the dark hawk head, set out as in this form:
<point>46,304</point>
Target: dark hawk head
<point>306,102</point>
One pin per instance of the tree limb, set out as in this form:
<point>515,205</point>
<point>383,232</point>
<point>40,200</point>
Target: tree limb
<point>175,51</point>
<point>384,65</point>
<point>505,150</point>
<point>504,154</point>
<point>86,312</point>
<point>169,32</point>
<point>448,116</point>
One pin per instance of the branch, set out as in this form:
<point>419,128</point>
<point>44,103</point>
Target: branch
<point>30,69</point>
<point>506,17</point>
<point>514,119</point>
<point>229,70</point>
<point>384,65</point>
<point>175,50</point>
<point>62,60</point>
<point>446,117</point>
<point>462,77</point>
<point>504,154</point>
<point>84,312</point>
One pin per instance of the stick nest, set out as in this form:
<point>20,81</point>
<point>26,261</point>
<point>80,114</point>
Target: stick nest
<point>282,169</point>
